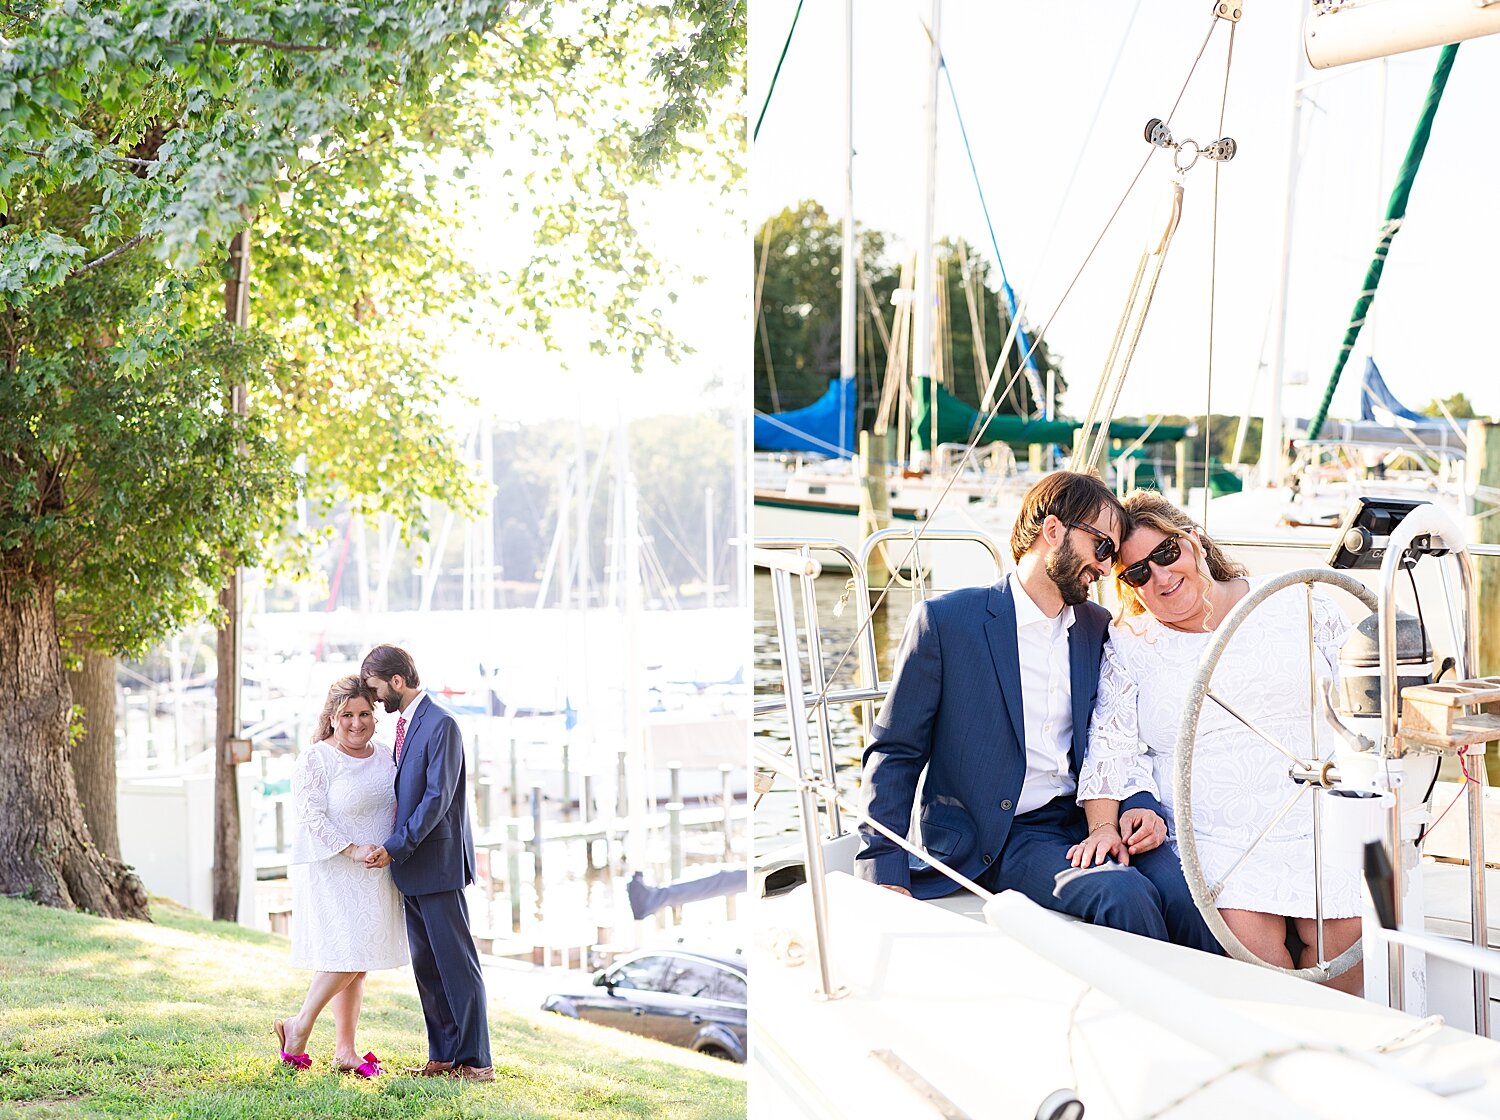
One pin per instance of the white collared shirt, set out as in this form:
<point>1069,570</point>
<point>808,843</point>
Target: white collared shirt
<point>407,712</point>
<point>1047,700</point>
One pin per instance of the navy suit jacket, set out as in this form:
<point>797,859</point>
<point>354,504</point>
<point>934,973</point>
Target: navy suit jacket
<point>955,709</point>
<point>432,847</point>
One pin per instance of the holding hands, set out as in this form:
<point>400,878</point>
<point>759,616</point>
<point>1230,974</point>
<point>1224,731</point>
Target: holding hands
<point>1142,829</point>
<point>371,855</point>
<point>1139,831</point>
<point>1102,843</point>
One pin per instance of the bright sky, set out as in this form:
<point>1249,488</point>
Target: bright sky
<point>700,233</point>
<point>1030,79</point>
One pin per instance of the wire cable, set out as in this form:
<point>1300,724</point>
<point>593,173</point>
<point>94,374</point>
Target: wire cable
<point>1213,277</point>
<point>1005,349</point>
<point>784,48</point>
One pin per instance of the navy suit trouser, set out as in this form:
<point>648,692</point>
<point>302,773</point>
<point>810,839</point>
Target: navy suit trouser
<point>1150,897</point>
<point>446,965</point>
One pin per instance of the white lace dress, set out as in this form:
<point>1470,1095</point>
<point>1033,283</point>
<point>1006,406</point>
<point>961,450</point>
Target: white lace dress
<point>345,917</point>
<point>1240,782</point>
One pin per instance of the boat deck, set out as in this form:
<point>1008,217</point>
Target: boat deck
<point>996,1017</point>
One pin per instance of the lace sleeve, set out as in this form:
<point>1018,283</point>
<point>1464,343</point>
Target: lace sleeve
<point>1115,766</point>
<point>317,836</point>
<point>1330,630</point>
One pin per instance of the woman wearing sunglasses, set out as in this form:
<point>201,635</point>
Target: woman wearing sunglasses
<point>1176,586</point>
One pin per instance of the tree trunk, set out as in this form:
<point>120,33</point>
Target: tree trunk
<point>46,854</point>
<point>227,691</point>
<point>226,780</point>
<point>93,756</point>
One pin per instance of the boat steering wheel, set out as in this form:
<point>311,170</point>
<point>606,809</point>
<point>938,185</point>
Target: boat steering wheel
<point>1201,691</point>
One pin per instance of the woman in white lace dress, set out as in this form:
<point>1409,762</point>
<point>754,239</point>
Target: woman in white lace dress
<point>1176,587</point>
<point>346,918</point>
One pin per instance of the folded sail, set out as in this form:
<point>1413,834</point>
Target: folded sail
<point>825,427</point>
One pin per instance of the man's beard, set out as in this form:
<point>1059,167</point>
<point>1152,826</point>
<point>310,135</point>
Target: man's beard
<point>392,703</point>
<point>1070,573</point>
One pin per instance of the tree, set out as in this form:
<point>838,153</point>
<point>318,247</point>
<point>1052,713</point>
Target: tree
<point>1458,406</point>
<point>136,140</point>
<point>798,261</point>
<point>113,477</point>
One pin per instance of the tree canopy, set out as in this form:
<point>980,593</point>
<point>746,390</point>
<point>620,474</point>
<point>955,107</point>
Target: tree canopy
<point>137,139</point>
<point>1458,406</point>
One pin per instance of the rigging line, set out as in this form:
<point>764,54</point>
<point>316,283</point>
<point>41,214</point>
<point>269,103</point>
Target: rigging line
<point>1213,278</point>
<point>1213,25</point>
<point>1005,349</point>
<point>582,566</point>
<point>760,315</point>
<point>661,524</point>
<point>975,305</point>
<point>1033,374</point>
<point>784,48</point>
<point>1101,440</point>
<point>1081,449</point>
<point>1136,444</point>
<point>993,411</point>
<point>872,302</point>
<point>1089,135</point>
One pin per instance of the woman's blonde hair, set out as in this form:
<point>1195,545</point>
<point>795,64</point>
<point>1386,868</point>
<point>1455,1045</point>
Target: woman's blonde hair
<point>344,689</point>
<point>1149,509</point>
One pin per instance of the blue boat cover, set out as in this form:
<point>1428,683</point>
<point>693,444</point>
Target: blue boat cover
<point>825,427</point>
<point>1376,398</point>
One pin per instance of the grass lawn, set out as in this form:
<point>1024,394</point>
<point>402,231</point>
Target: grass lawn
<point>106,1018</point>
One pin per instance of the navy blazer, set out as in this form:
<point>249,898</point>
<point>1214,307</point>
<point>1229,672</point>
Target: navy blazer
<point>432,847</point>
<point>955,709</point>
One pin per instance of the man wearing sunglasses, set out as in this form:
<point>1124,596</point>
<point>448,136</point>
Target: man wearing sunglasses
<point>991,699</point>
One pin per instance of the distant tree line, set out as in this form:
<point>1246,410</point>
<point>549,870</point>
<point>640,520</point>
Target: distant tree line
<point>797,324</point>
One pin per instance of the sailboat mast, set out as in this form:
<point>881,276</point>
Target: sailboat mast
<point>922,364</point>
<point>848,280</point>
<point>1272,437</point>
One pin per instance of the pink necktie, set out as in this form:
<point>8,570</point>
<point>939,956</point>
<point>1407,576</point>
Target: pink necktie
<point>400,736</point>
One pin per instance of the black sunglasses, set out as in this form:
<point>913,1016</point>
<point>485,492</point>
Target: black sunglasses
<point>1162,556</point>
<point>1104,547</point>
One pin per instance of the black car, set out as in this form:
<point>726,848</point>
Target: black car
<point>689,999</point>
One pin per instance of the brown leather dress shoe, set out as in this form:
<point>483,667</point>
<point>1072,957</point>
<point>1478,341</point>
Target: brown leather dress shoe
<point>473,1073</point>
<point>431,1069</point>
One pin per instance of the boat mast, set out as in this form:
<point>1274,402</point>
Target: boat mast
<point>627,581</point>
<point>922,363</point>
<point>848,281</point>
<point>1272,436</point>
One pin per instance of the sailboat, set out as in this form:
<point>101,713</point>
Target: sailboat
<point>872,1004</point>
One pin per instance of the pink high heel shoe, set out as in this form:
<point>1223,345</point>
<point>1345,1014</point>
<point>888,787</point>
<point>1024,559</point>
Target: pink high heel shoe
<point>296,1061</point>
<point>370,1067</point>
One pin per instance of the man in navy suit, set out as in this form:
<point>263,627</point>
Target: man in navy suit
<point>991,697</point>
<point>431,856</point>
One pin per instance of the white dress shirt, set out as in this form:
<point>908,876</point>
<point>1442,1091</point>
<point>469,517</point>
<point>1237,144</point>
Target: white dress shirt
<point>1047,701</point>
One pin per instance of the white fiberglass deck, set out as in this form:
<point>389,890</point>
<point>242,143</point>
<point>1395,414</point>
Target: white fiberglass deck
<point>997,1017</point>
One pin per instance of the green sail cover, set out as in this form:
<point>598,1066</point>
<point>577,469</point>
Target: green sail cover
<point>957,423</point>
<point>1395,214</point>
